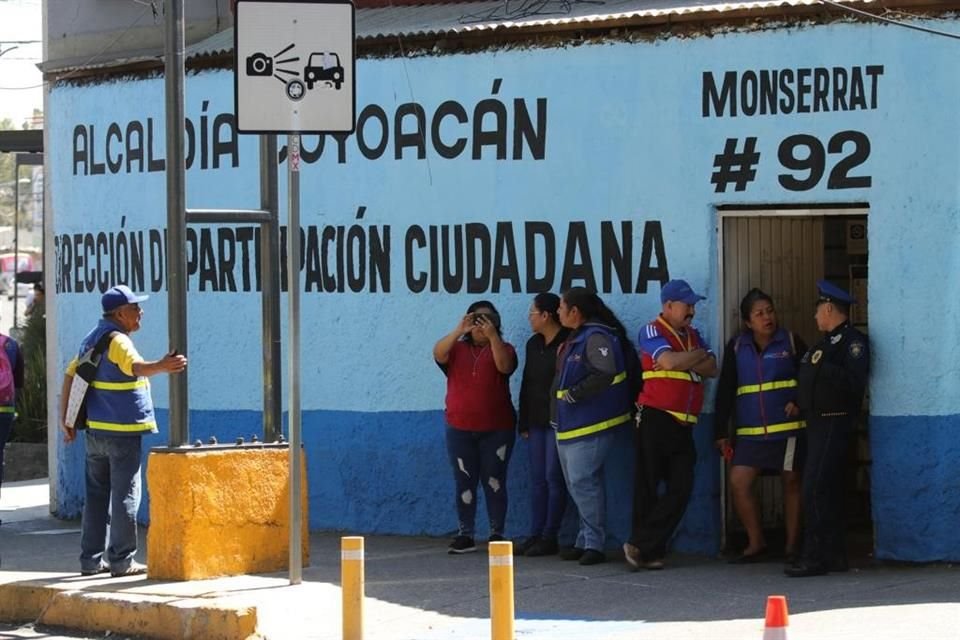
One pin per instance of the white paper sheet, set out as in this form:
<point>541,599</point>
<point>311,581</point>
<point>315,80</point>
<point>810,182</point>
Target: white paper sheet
<point>78,389</point>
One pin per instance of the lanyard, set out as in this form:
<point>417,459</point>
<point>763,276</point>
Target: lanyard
<point>686,347</point>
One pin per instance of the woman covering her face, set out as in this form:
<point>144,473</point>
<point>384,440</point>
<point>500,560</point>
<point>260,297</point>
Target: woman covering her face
<point>480,418</point>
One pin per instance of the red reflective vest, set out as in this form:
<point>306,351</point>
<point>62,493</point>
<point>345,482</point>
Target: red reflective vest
<point>679,393</point>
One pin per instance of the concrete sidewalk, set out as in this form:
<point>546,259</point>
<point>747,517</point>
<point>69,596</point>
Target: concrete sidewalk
<point>415,591</point>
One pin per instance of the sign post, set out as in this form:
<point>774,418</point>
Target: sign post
<point>295,73</point>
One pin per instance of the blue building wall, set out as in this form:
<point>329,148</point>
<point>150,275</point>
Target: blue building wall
<point>618,159</point>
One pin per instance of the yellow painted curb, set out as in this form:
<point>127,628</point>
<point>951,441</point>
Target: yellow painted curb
<point>23,602</point>
<point>161,617</point>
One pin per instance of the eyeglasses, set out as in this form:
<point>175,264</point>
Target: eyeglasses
<point>534,313</point>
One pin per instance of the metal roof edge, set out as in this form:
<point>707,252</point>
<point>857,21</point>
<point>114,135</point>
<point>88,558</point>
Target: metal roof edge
<point>21,141</point>
<point>477,20</point>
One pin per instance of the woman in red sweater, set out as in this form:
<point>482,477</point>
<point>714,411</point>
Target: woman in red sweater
<point>480,417</point>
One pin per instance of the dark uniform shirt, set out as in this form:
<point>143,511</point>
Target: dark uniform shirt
<point>539,369</point>
<point>833,374</point>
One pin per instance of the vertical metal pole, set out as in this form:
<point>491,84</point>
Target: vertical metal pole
<point>270,288</point>
<point>16,232</point>
<point>293,299</point>
<point>176,216</point>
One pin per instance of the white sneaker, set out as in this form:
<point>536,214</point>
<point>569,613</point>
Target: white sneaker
<point>135,569</point>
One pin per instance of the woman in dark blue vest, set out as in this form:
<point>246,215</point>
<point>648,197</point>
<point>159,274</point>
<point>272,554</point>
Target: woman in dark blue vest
<point>591,399</point>
<point>758,385</point>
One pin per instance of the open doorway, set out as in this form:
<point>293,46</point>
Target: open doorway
<point>784,251</point>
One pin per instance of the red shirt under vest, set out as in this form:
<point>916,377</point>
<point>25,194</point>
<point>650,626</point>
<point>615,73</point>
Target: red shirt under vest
<point>679,393</point>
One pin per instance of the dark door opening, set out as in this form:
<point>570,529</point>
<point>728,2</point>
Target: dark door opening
<point>784,252</point>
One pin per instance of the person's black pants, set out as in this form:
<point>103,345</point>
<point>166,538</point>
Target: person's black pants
<point>828,439</point>
<point>665,453</point>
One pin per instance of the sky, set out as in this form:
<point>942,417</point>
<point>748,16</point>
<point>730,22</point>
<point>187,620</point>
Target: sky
<point>20,20</point>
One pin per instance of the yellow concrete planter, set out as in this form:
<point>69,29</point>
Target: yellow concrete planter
<point>221,512</point>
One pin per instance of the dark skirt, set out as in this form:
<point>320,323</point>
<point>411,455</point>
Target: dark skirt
<point>782,454</point>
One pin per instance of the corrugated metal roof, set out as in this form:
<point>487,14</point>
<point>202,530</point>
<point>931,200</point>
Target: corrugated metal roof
<point>438,20</point>
<point>102,61</point>
<point>478,18</point>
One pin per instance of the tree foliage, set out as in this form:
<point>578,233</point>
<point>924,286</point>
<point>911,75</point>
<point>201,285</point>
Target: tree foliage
<point>6,178</point>
<point>31,422</point>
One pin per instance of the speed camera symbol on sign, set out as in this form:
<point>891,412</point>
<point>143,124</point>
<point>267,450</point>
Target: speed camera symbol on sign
<point>323,70</point>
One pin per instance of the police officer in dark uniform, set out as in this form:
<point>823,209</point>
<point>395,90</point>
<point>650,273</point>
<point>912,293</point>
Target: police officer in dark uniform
<point>832,378</point>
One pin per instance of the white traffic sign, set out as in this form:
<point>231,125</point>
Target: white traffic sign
<point>295,67</point>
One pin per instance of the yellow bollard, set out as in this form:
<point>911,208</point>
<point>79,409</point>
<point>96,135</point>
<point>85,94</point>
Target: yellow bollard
<point>351,585</point>
<point>501,590</point>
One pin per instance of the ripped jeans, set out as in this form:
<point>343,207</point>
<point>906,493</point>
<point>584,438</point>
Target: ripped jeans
<point>480,457</point>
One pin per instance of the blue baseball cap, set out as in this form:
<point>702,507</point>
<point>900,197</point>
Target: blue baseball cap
<point>830,292</point>
<point>118,296</point>
<point>679,291</point>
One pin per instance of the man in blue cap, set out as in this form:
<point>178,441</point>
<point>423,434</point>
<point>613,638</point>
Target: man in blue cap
<point>119,413</point>
<point>832,380</point>
<point>675,359</point>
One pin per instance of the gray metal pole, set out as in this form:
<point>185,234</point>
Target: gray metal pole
<point>293,298</point>
<point>270,288</point>
<point>16,233</point>
<point>176,216</point>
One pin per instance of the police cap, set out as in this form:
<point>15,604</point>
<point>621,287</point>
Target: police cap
<point>829,292</point>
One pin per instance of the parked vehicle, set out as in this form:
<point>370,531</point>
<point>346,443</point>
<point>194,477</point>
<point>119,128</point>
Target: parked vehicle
<point>10,265</point>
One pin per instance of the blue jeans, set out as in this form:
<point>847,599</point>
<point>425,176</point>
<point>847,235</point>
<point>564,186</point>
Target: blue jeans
<point>582,462</point>
<point>548,491</point>
<point>113,498</point>
<point>480,457</point>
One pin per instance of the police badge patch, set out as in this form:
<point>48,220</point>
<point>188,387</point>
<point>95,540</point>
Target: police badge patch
<point>815,358</point>
<point>856,349</point>
<point>837,338</point>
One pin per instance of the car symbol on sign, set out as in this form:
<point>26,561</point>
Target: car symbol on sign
<point>323,67</point>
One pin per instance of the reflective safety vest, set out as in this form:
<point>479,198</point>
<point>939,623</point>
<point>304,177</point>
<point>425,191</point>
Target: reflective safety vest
<point>117,403</point>
<point>766,382</point>
<point>606,410</point>
<point>679,393</point>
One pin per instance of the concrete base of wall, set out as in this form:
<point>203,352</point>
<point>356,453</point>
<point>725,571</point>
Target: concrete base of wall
<point>221,512</point>
<point>64,602</point>
<point>24,461</point>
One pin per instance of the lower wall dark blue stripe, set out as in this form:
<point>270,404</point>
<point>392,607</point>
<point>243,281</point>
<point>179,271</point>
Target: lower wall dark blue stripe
<point>916,487</point>
<point>388,473</point>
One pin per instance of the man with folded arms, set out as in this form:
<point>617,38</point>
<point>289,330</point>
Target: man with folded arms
<point>675,359</point>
